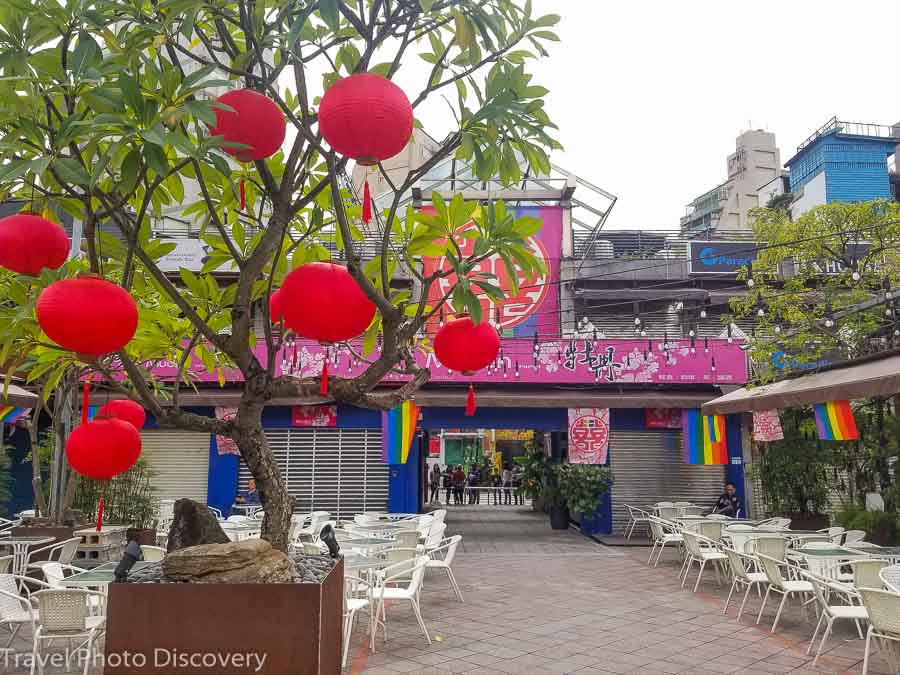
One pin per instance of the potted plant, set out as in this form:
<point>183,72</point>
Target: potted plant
<point>534,476</point>
<point>129,499</point>
<point>580,489</point>
<point>796,477</point>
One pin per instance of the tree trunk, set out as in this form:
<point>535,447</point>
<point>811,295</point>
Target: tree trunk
<point>37,485</point>
<point>254,447</point>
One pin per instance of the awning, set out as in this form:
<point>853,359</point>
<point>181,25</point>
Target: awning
<point>18,397</point>
<point>874,378</point>
<point>492,397</point>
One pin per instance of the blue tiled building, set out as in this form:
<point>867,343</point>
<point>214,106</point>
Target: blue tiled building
<point>842,162</point>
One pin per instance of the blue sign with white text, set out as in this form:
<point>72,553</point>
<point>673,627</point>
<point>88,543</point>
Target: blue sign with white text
<point>720,257</point>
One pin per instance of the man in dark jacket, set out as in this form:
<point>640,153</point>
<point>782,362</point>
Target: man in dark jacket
<point>728,504</point>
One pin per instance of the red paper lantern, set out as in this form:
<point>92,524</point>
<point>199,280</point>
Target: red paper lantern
<point>103,448</point>
<point>125,409</point>
<point>321,301</point>
<point>257,121</point>
<point>366,117</point>
<point>275,307</point>
<point>29,243</point>
<point>463,346</point>
<point>87,315</point>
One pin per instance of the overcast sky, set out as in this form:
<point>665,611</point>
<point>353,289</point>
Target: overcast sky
<point>649,96</point>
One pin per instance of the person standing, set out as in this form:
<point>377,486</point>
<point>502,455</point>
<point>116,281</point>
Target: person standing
<point>518,497</point>
<point>434,482</point>
<point>459,484</point>
<point>447,477</point>
<point>506,478</point>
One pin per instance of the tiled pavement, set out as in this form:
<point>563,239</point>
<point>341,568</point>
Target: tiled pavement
<point>538,601</point>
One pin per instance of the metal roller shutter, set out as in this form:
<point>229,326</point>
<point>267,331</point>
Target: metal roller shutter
<point>334,470</point>
<point>179,461</point>
<point>647,468</point>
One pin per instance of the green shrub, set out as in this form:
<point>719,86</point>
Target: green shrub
<point>582,486</point>
<point>881,527</point>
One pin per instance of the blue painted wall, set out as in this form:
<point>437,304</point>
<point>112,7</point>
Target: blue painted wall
<point>18,442</point>
<point>404,484</point>
<point>855,167</point>
<point>734,473</point>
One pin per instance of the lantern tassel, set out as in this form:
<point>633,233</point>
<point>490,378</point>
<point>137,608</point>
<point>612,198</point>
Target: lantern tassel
<point>367,203</point>
<point>86,399</point>
<point>470,402</point>
<point>323,388</point>
<point>100,506</point>
<point>242,191</point>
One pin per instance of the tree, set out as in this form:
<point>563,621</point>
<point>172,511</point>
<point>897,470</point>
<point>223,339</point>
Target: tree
<point>822,283</point>
<point>105,108</point>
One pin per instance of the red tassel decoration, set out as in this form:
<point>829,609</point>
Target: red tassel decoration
<point>86,399</point>
<point>100,506</point>
<point>323,388</point>
<point>470,402</point>
<point>367,204</point>
<point>242,191</point>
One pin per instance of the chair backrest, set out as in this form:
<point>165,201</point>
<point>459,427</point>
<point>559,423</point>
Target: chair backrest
<point>5,563</point>
<point>738,527</point>
<point>773,547</point>
<point>710,530</point>
<point>832,531</point>
<point>853,536</point>
<point>682,503</point>
<point>692,543</point>
<point>63,610</point>
<point>817,546</point>
<point>867,573</point>
<point>259,514</point>
<point>153,553</point>
<point>775,524</point>
<point>770,567</point>
<point>65,551</point>
<point>717,516</point>
<point>53,573</point>
<point>455,541</point>
<point>656,528</point>
<point>237,519</point>
<point>407,538</point>
<point>883,608</point>
<point>439,515</point>
<point>13,595</point>
<point>668,512</point>
<point>661,505</point>
<point>435,535</point>
<point>890,576</point>
<point>691,510</point>
<point>738,563</point>
<point>823,591</point>
<point>401,561</point>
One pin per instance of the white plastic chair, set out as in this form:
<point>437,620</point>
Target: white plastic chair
<point>636,516</point>
<point>439,515</point>
<point>702,551</point>
<point>435,537</point>
<point>884,621</point>
<point>15,604</point>
<point>824,568</point>
<point>442,558</point>
<point>669,513</point>
<point>775,524</point>
<point>777,583</point>
<point>742,577</point>
<point>739,535</point>
<point>831,613</point>
<point>54,573</point>
<point>384,591</point>
<point>661,505</point>
<point>153,553</point>
<point>238,519</point>
<point>357,597</point>
<point>62,552</point>
<point>854,536</point>
<point>890,577</point>
<point>718,516</point>
<point>67,614</point>
<point>5,563</point>
<point>832,532</point>
<point>867,573</point>
<point>774,547</point>
<point>662,533</point>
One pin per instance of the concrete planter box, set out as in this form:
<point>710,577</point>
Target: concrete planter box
<point>270,629</point>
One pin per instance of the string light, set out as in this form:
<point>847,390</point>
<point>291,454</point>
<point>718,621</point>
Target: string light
<point>855,276</point>
<point>706,345</point>
<point>750,282</point>
<point>730,336</point>
<point>713,366</point>
<point>637,321</point>
<point>829,321</point>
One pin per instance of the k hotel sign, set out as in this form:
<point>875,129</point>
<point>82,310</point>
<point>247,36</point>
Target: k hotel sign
<point>720,257</point>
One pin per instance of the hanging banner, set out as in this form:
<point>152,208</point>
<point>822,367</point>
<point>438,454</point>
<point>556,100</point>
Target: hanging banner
<point>835,421</point>
<point>10,413</point>
<point>398,428</point>
<point>434,446</point>
<point>225,445</point>
<point>704,438</point>
<point>588,435</point>
<point>314,416</point>
<point>662,418</point>
<point>767,426</point>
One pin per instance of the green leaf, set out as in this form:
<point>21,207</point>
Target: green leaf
<point>131,167</point>
<point>156,159</point>
<point>330,13</point>
<point>87,54</point>
<point>202,110</point>
<point>71,171</point>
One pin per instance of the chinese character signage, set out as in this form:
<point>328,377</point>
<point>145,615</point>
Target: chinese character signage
<point>767,426</point>
<point>588,435</point>
<point>314,416</point>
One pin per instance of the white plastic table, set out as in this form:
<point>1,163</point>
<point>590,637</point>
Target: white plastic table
<point>20,546</point>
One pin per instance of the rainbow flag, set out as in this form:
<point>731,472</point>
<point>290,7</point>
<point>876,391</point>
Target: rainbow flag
<point>398,428</point>
<point>10,413</point>
<point>704,438</point>
<point>835,421</point>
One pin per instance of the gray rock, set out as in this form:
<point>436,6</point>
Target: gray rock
<point>245,562</point>
<point>193,525</point>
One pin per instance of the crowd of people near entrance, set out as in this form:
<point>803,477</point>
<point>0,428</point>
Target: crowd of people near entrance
<point>466,487</point>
